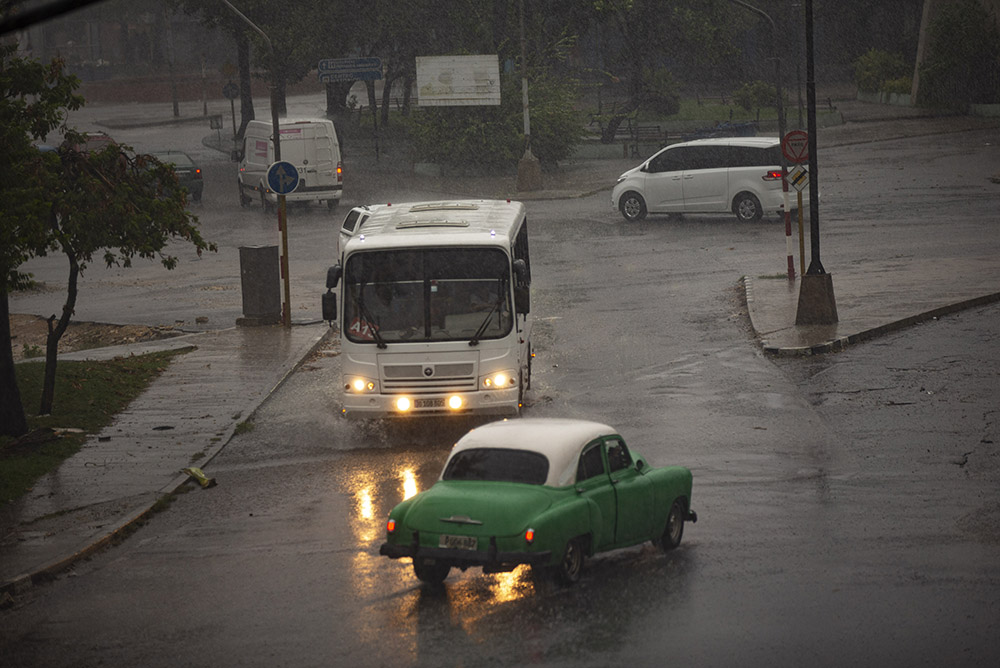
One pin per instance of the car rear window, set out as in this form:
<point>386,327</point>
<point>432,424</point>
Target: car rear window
<point>498,465</point>
<point>752,156</point>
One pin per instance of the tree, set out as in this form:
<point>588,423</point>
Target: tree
<point>34,99</point>
<point>962,65</point>
<point>111,202</point>
<point>689,35</point>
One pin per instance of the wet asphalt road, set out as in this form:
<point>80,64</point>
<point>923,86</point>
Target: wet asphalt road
<point>848,504</point>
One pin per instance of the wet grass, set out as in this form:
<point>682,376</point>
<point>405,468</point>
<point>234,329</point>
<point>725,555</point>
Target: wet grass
<point>88,395</point>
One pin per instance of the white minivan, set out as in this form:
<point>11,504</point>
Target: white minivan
<point>741,175</point>
<point>310,144</point>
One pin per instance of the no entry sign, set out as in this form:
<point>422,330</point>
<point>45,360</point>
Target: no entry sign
<point>795,146</point>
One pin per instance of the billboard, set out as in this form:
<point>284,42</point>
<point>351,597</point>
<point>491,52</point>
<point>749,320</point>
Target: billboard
<point>444,81</point>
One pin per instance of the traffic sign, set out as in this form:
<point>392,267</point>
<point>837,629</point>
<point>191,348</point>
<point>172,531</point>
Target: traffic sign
<point>350,69</point>
<point>795,146</point>
<point>798,176</point>
<point>282,177</point>
<point>231,91</point>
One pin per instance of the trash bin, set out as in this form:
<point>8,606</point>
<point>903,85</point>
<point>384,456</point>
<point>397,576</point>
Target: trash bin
<point>260,276</point>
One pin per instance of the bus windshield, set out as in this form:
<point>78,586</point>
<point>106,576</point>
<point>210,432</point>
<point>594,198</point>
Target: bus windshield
<point>434,294</point>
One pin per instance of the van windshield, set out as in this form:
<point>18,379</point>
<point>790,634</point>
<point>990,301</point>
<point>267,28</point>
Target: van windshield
<point>439,294</point>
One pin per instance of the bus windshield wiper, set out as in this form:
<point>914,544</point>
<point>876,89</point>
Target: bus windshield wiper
<point>474,341</point>
<point>366,314</point>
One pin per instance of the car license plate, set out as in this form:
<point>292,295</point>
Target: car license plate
<point>458,542</point>
<point>428,403</point>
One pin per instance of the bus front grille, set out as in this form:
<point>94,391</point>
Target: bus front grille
<point>426,378</point>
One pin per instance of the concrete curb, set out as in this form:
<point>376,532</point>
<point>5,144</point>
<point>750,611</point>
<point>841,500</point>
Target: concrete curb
<point>840,343</point>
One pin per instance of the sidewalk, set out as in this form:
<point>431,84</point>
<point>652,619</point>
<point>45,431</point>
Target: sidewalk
<point>188,415</point>
<point>184,419</point>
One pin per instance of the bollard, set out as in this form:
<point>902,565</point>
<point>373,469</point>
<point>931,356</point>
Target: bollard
<point>260,277</point>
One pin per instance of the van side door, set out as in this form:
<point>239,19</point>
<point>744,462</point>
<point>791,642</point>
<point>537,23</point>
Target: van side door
<point>663,188</point>
<point>706,179</point>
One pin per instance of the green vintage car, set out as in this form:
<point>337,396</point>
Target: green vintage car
<point>544,492</point>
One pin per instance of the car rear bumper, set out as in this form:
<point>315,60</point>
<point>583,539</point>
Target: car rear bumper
<point>491,560</point>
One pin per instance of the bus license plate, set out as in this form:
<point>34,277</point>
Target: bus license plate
<point>458,542</point>
<point>428,403</point>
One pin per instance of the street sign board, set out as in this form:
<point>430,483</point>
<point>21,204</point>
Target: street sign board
<point>798,176</point>
<point>350,69</point>
<point>282,177</point>
<point>231,91</point>
<point>795,146</point>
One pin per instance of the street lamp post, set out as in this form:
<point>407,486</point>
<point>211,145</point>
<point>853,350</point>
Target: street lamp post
<point>286,307</point>
<point>781,131</point>
<point>817,305</point>
<point>529,170</point>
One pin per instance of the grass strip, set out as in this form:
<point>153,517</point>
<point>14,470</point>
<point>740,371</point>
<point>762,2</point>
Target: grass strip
<point>88,395</point>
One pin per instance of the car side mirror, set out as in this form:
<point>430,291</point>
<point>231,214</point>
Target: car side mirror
<point>640,465</point>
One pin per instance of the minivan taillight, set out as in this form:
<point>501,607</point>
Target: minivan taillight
<point>772,175</point>
<point>340,172</point>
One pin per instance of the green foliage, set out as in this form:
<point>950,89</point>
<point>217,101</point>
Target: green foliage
<point>900,86</point>
<point>962,65</point>
<point>873,69</point>
<point>34,99</point>
<point>659,92</point>
<point>492,137</point>
<point>90,395</point>
<point>755,94</point>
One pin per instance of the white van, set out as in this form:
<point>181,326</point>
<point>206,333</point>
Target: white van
<point>741,175</point>
<point>310,144</point>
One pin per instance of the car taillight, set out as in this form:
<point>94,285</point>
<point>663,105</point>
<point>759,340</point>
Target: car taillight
<point>529,536</point>
<point>340,172</point>
<point>773,175</point>
<point>390,526</point>
<point>197,173</point>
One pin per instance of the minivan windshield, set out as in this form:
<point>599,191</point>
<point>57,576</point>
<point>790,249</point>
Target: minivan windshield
<point>438,294</point>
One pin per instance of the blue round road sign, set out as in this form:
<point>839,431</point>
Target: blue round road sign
<point>282,177</point>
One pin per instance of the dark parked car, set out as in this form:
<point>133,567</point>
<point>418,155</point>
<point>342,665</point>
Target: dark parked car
<point>188,173</point>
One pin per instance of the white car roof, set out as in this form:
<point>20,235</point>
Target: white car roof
<point>560,440</point>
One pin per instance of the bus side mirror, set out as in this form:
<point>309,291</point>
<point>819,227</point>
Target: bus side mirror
<point>521,272</point>
<point>329,306</point>
<point>333,275</point>
<point>522,300</point>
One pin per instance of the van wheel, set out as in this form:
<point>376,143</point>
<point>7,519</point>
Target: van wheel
<point>244,198</point>
<point>332,204</point>
<point>265,206</point>
<point>632,206</point>
<point>747,208</point>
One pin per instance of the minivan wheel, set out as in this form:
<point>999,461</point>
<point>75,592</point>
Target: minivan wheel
<point>632,206</point>
<point>747,208</point>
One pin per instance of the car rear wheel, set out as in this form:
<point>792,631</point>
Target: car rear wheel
<point>434,573</point>
<point>747,208</point>
<point>674,530</point>
<point>571,566</point>
<point>632,206</point>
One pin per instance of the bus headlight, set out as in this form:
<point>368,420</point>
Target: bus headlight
<point>500,380</point>
<point>454,402</point>
<point>359,385</point>
<point>403,404</point>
